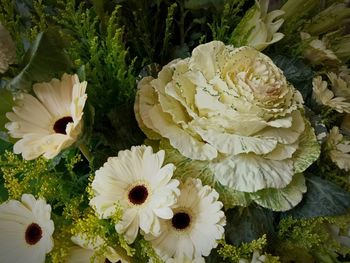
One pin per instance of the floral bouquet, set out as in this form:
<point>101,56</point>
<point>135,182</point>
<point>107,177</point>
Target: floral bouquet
<point>174,131</point>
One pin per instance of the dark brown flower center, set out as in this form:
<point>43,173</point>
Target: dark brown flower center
<point>107,261</point>
<point>181,220</point>
<point>61,124</point>
<point>138,195</point>
<point>33,234</point>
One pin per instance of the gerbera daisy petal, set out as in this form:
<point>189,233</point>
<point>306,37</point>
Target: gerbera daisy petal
<point>29,107</point>
<point>50,123</point>
<point>165,213</point>
<point>19,127</point>
<point>136,181</point>
<point>52,96</point>
<point>26,230</point>
<point>34,145</point>
<point>195,227</point>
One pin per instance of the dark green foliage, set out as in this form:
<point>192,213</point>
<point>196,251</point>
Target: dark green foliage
<point>120,131</point>
<point>44,60</point>
<point>6,103</point>
<point>214,257</point>
<point>225,22</point>
<point>247,224</point>
<point>311,240</point>
<point>323,198</point>
<point>296,72</point>
<point>159,31</point>
<point>204,4</point>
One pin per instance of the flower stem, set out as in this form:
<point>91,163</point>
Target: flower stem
<point>85,151</point>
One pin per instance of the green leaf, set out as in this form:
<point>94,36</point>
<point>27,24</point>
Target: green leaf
<point>248,224</point>
<point>298,73</point>
<point>204,4</point>
<point>308,151</point>
<point>214,257</point>
<point>6,104</point>
<point>282,199</point>
<point>44,60</point>
<point>4,145</point>
<point>242,31</point>
<point>126,131</point>
<point>185,167</point>
<point>323,198</point>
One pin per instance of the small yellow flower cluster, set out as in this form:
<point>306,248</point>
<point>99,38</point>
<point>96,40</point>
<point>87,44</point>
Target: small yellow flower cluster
<point>62,246</point>
<point>245,250</point>
<point>29,172</point>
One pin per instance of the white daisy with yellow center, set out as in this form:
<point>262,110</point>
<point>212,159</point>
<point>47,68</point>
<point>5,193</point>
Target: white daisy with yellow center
<point>198,223</point>
<point>49,122</point>
<point>26,230</point>
<point>137,182</point>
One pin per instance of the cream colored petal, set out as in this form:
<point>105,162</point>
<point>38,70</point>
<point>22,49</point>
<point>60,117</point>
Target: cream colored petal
<point>129,225</point>
<point>286,135</point>
<point>258,36</point>
<point>105,206</point>
<point>152,162</point>
<point>341,159</point>
<point>146,98</point>
<point>282,152</point>
<point>29,106</point>
<point>54,144</point>
<point>18,127</point>
<point>164,213</point>
<point>281,123</point>
<point>236,144</point>
<point>179,138</point>
<point>208,103</point>
<point>51,95</point>
<point>32,145</point>
<point>173,92</point>
<point>209,58</point>
<point>73,130</point>
<point>273,24</point>
<point>14,212</point>
<point>250,173</point>
<point>82,255</point>
<point>146,219</point>
<point>184,84</point>
<point>174,108</point>
<point>79,98</point>
<point>166,78</point>
<point>231,122</point>
<point>275,38</point>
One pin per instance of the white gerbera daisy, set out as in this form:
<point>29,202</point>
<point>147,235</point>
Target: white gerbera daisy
<point>197,224</point>
<point>137,181</point>
<point>26,230</point>
<point>86,250</point>
<point>52,121</point>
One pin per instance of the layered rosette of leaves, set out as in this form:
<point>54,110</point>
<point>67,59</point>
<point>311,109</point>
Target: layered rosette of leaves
<point>234,110</point>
